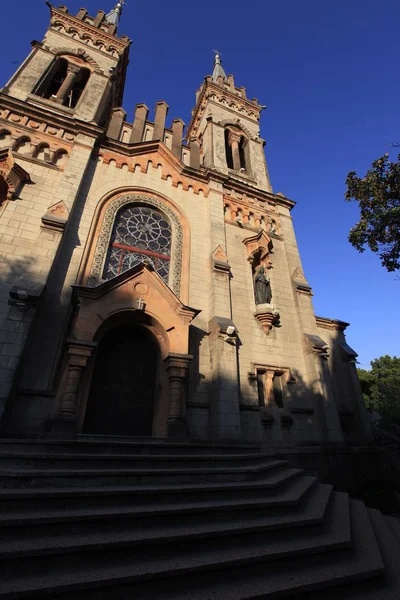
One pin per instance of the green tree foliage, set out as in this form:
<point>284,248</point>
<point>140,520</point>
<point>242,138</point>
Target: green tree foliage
<point>378,196</point>
<point>381,386</point>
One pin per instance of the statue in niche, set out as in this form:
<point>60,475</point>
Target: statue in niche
<point>262,286</point>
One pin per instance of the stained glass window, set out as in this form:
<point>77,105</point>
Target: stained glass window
<point>140,234</point>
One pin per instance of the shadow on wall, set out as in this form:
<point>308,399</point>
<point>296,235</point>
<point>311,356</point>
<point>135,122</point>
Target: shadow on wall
<point>15,321</point>
<point>33,368</point>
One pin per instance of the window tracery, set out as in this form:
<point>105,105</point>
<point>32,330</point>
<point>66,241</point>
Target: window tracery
<point>140,233</point>
<point>104,240</point>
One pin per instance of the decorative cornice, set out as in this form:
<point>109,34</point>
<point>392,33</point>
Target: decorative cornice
<point>44,114</point>
<point>332,324</point>
<point>251,216</point>
<point>186,312</point>
<point>152,154</point>
<point>116,150</point>
<point>245,189</point>
<point>83,27</point>
<point>213,92</point>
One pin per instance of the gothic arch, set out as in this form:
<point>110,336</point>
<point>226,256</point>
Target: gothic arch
<point>78,53</point>
<point>238,125</point>
<point>98,245</point>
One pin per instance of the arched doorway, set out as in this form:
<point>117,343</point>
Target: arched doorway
<point>121,397</point>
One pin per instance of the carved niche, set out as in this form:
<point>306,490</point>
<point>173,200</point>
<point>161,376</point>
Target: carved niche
<point>13,175</point>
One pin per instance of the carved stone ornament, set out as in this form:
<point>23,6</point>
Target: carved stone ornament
<point>56,217</point>
<point>256,243</point>
<point>268,316</point>
<point>103,242</point>
<point>316,345</point>
<point>301,283</point>
<point>220,261</point>
<point>13,174</point>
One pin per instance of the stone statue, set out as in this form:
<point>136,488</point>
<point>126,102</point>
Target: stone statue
<point>262,287</point>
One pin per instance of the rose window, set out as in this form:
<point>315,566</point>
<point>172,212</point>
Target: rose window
<point>140,234</point>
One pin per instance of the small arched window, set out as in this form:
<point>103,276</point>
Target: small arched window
<point>140,234</point>
<point>5,138</point>
<point>23,146</point>
<point>64,82</point>
<point>236,150</point>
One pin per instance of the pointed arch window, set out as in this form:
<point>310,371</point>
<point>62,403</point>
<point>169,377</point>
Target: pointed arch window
<point>140,234</point>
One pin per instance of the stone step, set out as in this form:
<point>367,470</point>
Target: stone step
<point>394,525</point>
<point>272,479</point>
<point>71,537</point>
<point>262,578</point>
<point>102,503</point>
<point>132,564</point>
<point>385,587</point>
<point>13,476</point>
<point>49,458</point>
<point>131,446</point>
<point>268,476</point>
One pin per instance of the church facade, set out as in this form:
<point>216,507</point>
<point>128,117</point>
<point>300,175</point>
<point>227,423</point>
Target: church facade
<point>151,283</point>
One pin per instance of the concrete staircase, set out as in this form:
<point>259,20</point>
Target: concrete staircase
<point>95,519</point>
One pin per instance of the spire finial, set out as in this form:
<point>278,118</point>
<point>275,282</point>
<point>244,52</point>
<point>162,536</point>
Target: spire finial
<point>218,68</point>
<point>113,16</point>
<point>217,60</point>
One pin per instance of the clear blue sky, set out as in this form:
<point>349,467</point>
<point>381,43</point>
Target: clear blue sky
<point>328,73</point>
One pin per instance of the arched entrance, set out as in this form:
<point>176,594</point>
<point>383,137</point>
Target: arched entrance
<point>122,391</point>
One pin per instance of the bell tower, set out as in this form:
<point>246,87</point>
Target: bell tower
<point>78,69</point>
<point>226,124</point>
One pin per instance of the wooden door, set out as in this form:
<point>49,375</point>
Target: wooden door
<point>121,398</point>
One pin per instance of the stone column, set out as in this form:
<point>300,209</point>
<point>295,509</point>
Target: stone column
<point>234,141</point>
<point>79,353</point>
<point>268,381</point>
<point>68,83</point>
<point>176,366</point>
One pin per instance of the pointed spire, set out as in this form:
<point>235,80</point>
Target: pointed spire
<point>113,17</point>
<point>218,68</point>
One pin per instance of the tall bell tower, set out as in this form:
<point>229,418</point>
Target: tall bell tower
<point>78,69</point>
<point>53,112</point>
<point>227,125</point>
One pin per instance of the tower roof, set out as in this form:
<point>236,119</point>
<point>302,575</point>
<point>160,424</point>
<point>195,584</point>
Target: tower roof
<point>218,68</point>
<point>113,16</point>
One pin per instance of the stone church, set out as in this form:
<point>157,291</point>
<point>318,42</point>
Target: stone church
<point>168,395</point>
<point>151,283</point>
